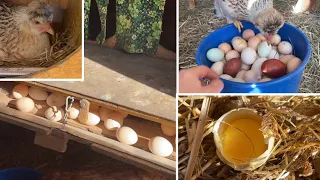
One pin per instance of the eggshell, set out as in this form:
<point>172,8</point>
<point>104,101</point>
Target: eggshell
<point>25,104</point>
<point>218,67</point>
<point>239,43</point>
<point>56,99</point>
<point>254,42</point>
<point>225,47</point>
<point>264,49</point>
<point>275,40</point>
<point>285,59</point>
<point>225,76</point>
<point>237,80</point>
<point>114,121</point>
<point>127,135</point>
<point>20,91</point>
<point>241,74</point>
<point>261,37</point>
<point>285,47</point>
<point>256,66</point>
<point>104,113</point>
<point>215,55</point>
<point>93,119</point>
<point>168,130</point>
<point>160,146</point>
<point>293,64</point>
<point>274,68</point>
<point>247,34</point>
<point>248,56</point>
<point>274,54</point>
<point>250,76</point>
<point>245,67</point>
<point>265,80</point>
<point>74,111</point>
<point>54,113</point>
<point>38,94</point>
<point>232,67</point>
<point>232,54</point>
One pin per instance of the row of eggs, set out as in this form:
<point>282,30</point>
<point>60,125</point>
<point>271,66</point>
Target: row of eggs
<point>52,105</point>
<point>253,58</point>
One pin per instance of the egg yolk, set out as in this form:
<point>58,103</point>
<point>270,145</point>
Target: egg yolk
<point>243,140</point>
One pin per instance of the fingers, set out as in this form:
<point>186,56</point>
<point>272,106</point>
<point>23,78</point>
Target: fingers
<point>215,86</point>
<point>204,71</point>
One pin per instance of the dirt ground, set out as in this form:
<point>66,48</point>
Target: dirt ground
<point>77,163</point>
<point>197,24</point>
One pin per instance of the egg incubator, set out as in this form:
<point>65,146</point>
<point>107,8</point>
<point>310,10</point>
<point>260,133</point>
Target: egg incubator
<point>58,115</point>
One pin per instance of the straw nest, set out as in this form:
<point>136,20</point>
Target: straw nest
<point>197,24</point>
<point>294,121</point>
<point>62,45</point>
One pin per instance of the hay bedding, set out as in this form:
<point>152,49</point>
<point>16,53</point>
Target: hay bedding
<point>196,24</point>
<point>293,120</point>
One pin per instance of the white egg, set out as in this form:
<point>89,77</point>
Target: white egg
<point>274,54</point>
<point>232,54</point>
<point>25,104</point>
<point>225,76</point>
<point>264,49</point>
<point>254,42</point>
<point>215,54</point>
<point>240,74</point>
<point>114,121</point>
<point>261,37</point>
<point>74,111</point>
<point>256,66</point>
<point>54,113</point>
<point>239,43</point>
<point>168,130</point>
<point>248,56</point>
<point>20,91</point>
<point>127,135</point>
<point>250,76</point>
<point>265,79</point>
<point>245,67</point>
<point>218,67</point>
<point>56,99</point>
<point>93,119</point>
<point>247,34</point>
<point>293,64</point>
<point>160,146</point>
<point>38,94</point>
<point>275,40</point>
<point>285,47</point>
<point>237,80</point>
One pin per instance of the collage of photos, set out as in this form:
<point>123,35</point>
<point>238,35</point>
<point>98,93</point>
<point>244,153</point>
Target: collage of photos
<point>159,90</point>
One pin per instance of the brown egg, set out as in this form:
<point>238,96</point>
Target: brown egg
<point>275,40</point>
<point>293,64</point>
<point>232,67</point>
<point>247,34</point>
<point>20,91</point>
<point>56,99</point>
<point>286,58</point>
<point>232,54</point>
<point>38,94</point>
<point>261,37</point>
<point>274,68</point>
<point>225,47</point>
<point>239,44</point>
<point>254,42</point>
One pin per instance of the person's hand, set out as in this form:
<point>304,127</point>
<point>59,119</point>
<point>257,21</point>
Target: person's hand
<point>191,80</point>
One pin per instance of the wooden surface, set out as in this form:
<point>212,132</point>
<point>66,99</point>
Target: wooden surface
<point>139,85</point>
<point>15,115</point>
<point>71,68</point>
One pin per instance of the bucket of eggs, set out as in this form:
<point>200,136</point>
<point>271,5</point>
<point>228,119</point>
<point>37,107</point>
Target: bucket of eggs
<point>239,140</point>
<point>246,63</point>
<point>20,174</point>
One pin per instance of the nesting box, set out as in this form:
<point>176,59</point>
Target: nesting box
<point>66,44</point>
<point>54,134</point>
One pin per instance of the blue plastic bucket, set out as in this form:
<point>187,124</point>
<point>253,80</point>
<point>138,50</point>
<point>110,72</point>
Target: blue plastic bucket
<point>289,83</point>
<point>20,174</point>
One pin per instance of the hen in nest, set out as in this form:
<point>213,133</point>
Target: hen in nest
<point>260,12</point>
<point>24,30</point>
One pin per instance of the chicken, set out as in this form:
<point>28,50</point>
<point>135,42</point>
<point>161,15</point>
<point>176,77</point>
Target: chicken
<point>24,30</point>
<point>260,12</point>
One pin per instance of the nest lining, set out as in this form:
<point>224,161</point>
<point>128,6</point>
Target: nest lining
<point>197,24</point>
<point>293,121</point>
